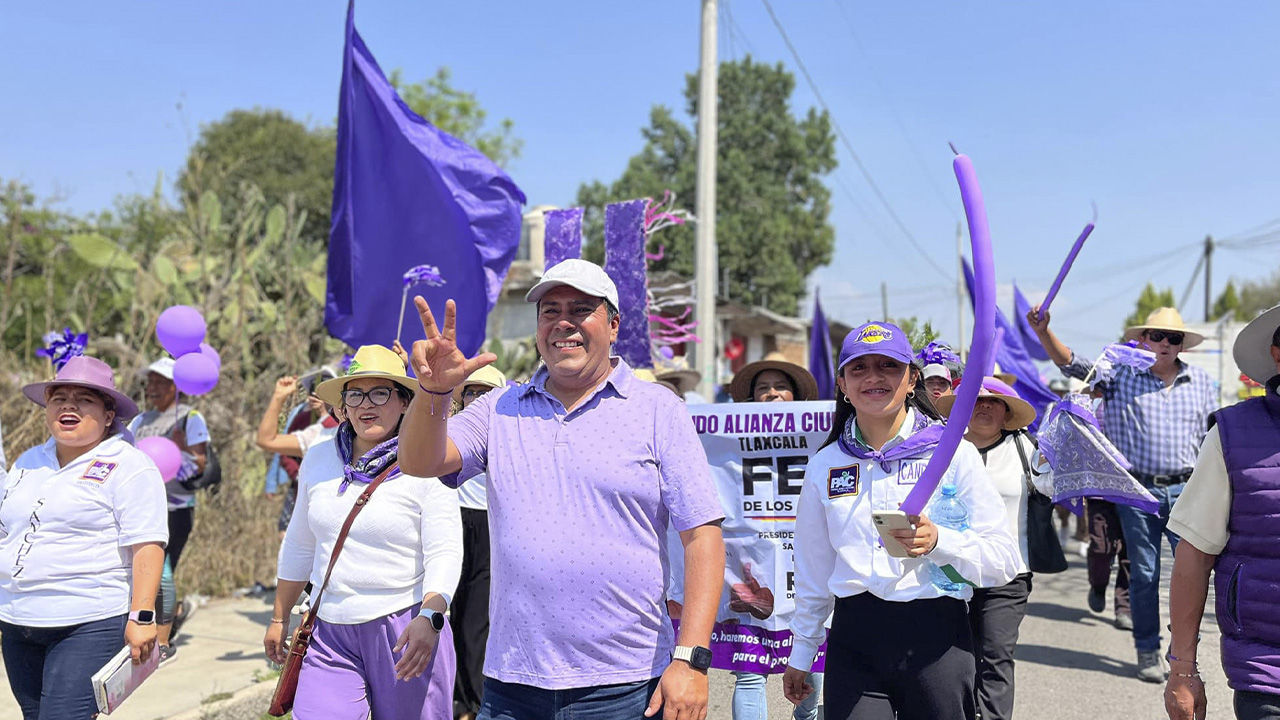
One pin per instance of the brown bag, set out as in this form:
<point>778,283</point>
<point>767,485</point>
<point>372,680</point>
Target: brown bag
<point>287,685</point>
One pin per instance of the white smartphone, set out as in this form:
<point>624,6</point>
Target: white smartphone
<point>886,522</point>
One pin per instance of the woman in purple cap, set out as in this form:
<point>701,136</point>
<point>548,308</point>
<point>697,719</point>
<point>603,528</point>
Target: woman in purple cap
<point>900,640</point>
<point>998,429</point>
<point>83,524</point>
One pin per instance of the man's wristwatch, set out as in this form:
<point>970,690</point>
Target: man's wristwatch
<point>143,617</point>
<point>435,617</point>
<point>698,657</point>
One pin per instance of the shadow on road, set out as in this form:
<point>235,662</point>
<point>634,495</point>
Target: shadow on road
<point>1063,613</point>
<point>1072,659</point>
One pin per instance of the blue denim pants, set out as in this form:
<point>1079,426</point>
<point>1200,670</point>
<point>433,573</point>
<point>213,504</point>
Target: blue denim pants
<point>511,701</point>
<point>1142,532</point>
<point>751,701</point>
<point>50,668</point>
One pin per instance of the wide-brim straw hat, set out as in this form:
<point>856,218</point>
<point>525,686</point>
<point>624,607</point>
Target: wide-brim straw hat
<point>1021,414</point>
<point>87,372</point>
<point>370,361</point>
<point>488,376</point>
<point>1252,349</point>
<point>741,386</point>
<point>1168,319</point>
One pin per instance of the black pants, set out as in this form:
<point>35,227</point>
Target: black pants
<point>1106,545</point>
<point>180,523</point>
<point>995,615</point>
<point>1256,706</point>
<point>910,658</point>
<point>469,616</point>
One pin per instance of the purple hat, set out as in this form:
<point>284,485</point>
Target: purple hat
<point>875,338</point>
<point>85,371</point>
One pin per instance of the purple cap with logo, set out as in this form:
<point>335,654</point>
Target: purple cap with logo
<point>875,338</point>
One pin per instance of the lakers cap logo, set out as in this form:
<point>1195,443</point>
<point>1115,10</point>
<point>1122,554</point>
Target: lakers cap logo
<point>873,334</point>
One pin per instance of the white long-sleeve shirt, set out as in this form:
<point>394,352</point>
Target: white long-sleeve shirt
<point>405,543</point>
<point>838,551</point>
<point>1008,477</point>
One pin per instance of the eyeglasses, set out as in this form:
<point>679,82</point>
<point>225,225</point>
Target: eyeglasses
<point>474,391</point>
<point>1174,338</point>
<point>378,396</point>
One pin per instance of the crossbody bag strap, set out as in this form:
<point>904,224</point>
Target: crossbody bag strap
<point>342,539</point>
<point>1026,463</point>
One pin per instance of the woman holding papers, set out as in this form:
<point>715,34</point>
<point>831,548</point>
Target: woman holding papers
<point>899,642</point>
<point>83,524</point>
<point>381,643</point>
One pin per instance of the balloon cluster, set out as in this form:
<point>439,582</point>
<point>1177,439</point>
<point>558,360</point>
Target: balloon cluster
<point>181,331</point>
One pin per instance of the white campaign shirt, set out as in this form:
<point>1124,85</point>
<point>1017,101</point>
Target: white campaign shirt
<point>474,493</point>
<point>65,533</point>
<point>838,551</point>
<point>406,542</point>
<point>1004,467</point>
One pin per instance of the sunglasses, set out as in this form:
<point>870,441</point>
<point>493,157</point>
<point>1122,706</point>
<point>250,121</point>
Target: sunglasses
<point>1174,338</point>
<point>378,397</point>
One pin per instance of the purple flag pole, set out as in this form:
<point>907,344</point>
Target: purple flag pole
<point>625,262</point>
<point>820,354</point>
<point>562,237</point>
<point>1066,266</point>
<point>980,346</point>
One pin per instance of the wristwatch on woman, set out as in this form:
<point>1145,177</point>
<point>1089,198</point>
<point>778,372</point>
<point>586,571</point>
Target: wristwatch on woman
<point>436,618</point>
<point>143,617</point>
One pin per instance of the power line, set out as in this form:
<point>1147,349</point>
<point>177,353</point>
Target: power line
<point>1195,275</point>
<point>848,146</point>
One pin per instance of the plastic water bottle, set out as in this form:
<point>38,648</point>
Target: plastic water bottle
<point>947,511</point>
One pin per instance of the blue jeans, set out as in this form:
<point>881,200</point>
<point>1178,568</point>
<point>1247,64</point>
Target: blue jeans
<point>49,669</point>
<point>750,702</point>
<point>511,701</point>
<point>1142,533</point>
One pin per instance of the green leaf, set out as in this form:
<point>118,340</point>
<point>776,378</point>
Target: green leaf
<point>164,270</point>
<point>211,211</point>
<point>101,252</point>
<point>275,225</point>
<point>316,288</point>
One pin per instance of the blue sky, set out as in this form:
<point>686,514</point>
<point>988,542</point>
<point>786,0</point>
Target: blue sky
<point>1163,113</point>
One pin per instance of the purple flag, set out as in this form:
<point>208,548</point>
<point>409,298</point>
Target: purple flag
<point>406,193</point>
<point>1026,335</point>
<point>820,354</point>
<point>562,236</point>
<point>624,261</point>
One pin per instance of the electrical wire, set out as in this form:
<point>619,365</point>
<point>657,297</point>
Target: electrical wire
<point>1195,275</point>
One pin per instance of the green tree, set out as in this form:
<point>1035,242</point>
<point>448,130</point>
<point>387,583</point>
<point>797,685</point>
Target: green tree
<point>459,113</point>
<point>1148,301</point>
<point>1228,304</point>
<point>771,206</point>
<point>920,334</point>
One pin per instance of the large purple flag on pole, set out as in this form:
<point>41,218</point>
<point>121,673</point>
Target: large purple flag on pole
<point>1026,335</point>
<point>405,194</point>
<point>821,357</point>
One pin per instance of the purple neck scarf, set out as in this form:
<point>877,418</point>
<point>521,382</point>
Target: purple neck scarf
<point>925,434</point>
<point>366,467</point>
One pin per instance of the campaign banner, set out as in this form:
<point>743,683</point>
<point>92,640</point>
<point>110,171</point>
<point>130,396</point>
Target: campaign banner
<point>758,453</point>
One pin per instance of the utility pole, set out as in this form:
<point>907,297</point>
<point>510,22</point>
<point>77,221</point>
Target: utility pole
<point>706,257</point>
<point>884,300</point>
<point>960,348</point>
<point>1208,277</point>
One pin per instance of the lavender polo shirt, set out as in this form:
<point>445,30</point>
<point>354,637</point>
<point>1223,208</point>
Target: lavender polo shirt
<point>579,505</point>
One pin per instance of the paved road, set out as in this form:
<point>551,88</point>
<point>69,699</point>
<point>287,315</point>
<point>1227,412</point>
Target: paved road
<point>1072,664</point>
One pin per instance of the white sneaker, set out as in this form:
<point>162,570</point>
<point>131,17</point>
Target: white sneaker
<point>1082,547</point>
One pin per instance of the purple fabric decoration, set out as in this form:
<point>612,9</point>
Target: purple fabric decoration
<point>624,239</point>
<point>1085,463</point>
<point>936,353</point>
<point>1066,266</point>
<point>1116,355</point>
<point>562,236</point>
<point>821,354</point>
<point>1026,335</point>
<point>423,274</point>
<point>925,435</point>
<point>61,348</point>
<point>406,193</point>
<point>980,350</point>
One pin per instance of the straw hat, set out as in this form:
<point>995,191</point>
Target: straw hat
<point>488,376</point>
<point>1252,350</point>
<point>88,372</point>
<point>1021,414</point>
<point>741,386</point>
<point>677,374</point>
<point>1007,378</point>
<point>1165,318</point>
<point>370,361</point>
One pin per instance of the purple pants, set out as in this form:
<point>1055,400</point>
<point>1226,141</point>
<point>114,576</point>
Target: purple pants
<point>349,671</point>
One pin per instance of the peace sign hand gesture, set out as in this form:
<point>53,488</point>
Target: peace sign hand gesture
<point>438,362</point>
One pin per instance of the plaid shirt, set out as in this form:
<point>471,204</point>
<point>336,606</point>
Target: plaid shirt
<point>1158,429</point>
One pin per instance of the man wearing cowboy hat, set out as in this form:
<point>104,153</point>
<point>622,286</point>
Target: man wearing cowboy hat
<point>1227,518</point>
<point>1156,418</point>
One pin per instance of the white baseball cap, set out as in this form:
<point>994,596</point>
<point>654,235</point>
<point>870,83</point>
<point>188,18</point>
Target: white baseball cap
<point>588,277</point>
<point>162,367</point>
<point>939,370</point>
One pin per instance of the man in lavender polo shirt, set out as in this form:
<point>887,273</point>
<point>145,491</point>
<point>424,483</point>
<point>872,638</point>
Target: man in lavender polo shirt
<point>587,466</point>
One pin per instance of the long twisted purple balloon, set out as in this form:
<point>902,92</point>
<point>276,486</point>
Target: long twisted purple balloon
<point>1066,266</point>
<point>980,346</point>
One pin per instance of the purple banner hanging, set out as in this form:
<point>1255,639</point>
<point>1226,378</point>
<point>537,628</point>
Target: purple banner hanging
<point>624,239</point>
<point>562,237</point>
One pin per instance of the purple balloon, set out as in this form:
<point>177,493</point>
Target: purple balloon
<point>180,330</point>
<point>981,351</point>
<point>164,453</point>
<point>1066,266</point>
<point>195,373</point>
<point>207,350</point>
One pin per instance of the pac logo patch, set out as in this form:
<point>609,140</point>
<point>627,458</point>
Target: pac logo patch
<point>98,471</point>
<point>873,334</point>
<point>842,481</point>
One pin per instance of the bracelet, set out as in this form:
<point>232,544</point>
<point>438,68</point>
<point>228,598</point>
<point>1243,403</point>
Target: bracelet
<point>1168,655</point>
<point>1194,675</point>
<point>277,620</point>
<point>433,392</point>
